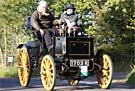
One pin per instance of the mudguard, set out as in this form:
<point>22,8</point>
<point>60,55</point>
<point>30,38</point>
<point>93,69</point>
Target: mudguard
<point>33,48</point>
<point>25,44</point>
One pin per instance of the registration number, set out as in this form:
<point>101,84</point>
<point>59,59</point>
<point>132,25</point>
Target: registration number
<point>77,63</point>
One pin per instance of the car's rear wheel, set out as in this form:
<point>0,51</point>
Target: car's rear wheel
<point>24,66</point>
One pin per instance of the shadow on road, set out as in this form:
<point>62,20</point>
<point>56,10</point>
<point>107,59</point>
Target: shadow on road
<point>8,84</point>
<point>11,84</point>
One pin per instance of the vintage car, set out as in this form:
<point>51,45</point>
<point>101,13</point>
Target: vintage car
<point>73,59</point>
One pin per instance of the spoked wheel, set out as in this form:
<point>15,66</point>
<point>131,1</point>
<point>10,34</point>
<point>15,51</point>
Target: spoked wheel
<point>73,82</point>
<point>24,67</point>
<point>48,72</point>
<point>104,76</point>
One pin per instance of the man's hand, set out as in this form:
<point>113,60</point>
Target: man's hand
<point>56,22</point>
<point>42,32</point>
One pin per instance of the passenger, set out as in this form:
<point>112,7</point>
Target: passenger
<point>70,17</point>
<point>42,24</point>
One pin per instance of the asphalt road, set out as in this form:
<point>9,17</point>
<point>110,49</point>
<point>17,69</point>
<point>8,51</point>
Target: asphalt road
<point>88,84</point>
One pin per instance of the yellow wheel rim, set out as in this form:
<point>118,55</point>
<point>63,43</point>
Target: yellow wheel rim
<point>104,76</point>
<point>48,72</point>
<point>73,82</point>
<point>23,67</point>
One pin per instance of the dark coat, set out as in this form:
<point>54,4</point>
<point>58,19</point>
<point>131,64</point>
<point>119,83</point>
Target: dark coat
<point>39,21</point>
<point>72,18</point>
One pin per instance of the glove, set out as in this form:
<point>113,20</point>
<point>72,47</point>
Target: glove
<point>71,25</point>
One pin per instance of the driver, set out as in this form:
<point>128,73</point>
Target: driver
<point>70,17</point>
<point>42,22</point>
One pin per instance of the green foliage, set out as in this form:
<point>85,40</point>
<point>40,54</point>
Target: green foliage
<point>121,66</point>
<point>118,53</point>
<point>131,78</point>
<point>131,75</point>
<point>132,62</point>
<point>120,19</point>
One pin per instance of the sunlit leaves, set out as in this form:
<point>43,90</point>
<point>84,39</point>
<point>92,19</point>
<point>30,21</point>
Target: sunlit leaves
<point>111,18</point>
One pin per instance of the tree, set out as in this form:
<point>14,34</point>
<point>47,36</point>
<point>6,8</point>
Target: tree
<point>12,19</point>
<point>120,19</point>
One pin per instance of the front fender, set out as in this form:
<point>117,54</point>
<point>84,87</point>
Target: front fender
<point>99,54</point>
<point>20,46</point>
<point>26,45</point>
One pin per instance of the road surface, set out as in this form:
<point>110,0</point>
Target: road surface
<point>88,84</point>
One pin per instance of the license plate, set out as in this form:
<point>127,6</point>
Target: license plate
<point>77,63</point>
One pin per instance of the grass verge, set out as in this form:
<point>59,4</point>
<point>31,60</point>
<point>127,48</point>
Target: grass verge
<point>131,78</point>
<point>8,72</point>
<point>12,71</point>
